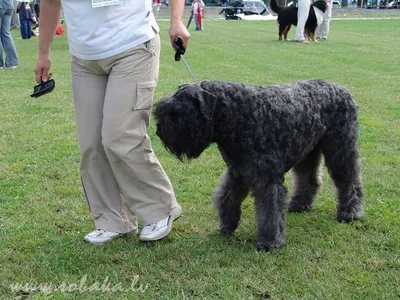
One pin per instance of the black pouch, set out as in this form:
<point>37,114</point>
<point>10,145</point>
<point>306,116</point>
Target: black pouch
<point>43,88</point>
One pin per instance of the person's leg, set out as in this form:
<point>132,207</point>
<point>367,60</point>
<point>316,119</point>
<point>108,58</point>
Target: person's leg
<point>15,16</point>
<point>318,31</point>
<point>200,17</point>
<point>105,201</point>
<point>28,29</point>
<point>24,29</point>
<point>196,20</point>
<point>7,40</point>
<point>327,20</point>
<point>127,108</point>
<point>2,12</point>
<point>302,15</point>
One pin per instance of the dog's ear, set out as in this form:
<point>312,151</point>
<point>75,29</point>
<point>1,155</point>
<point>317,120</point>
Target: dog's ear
<point>183,86</point>
<point>207,104</point>
<point>205,99</point>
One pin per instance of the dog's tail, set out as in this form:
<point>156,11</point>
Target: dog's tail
<point>274,6</point>
<point>321,4</point>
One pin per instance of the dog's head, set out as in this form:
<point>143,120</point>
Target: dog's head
<point>185,121</point>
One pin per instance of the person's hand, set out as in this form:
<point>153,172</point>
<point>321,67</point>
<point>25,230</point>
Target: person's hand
<point>42,68</point>
<point>177,29</point>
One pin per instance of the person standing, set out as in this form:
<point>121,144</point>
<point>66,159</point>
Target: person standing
<point>115,51</point>
<point>36,6</point>
<point>25,19</point>
<point>6,40</point>
<point>15,17</point>
<point>323,29</point>
<point>198,6</point>
<point>302,16</point>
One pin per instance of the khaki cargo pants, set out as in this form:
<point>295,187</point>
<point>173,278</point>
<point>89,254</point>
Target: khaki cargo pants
<point>121,176</point>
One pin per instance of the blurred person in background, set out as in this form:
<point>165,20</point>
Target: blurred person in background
<point>6,40</point>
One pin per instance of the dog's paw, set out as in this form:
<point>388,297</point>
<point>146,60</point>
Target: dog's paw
<point>227,228</point>
<point>299,205</point>
<point>270,245</point>
<point>350,215</point>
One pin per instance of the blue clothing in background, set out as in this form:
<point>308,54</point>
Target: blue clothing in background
<point>25,13</point>
<point>6,40</point>
<point>6,4</point>
<point>25,18</point>
<point>26,29</point>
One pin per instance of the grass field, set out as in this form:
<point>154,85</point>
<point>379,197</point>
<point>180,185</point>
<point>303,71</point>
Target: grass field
<point>43,214</point>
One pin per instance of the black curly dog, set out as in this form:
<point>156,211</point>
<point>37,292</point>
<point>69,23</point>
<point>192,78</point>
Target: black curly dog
<point>262,132</point>
<point>287,16</point>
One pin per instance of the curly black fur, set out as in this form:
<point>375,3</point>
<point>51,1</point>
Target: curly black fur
<point>262,132</point>
<point>287,16</point>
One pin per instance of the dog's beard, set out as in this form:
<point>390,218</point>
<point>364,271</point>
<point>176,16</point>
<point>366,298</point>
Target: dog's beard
<point>167,136</point>
<point>181,144</point>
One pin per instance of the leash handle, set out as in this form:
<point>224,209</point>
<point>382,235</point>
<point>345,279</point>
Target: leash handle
<point>180,50</point>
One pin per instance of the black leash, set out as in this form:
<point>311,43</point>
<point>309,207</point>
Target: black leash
<point>180,51</point>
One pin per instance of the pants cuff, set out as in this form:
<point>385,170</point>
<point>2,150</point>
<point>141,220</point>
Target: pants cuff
<point>110,222</point>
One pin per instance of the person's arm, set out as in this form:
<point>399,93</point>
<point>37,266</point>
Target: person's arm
<point>49,17</point>
<point>177,28</point>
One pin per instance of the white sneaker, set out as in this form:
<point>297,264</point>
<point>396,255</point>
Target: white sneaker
<point>100,236</point>
<point>158,230</point>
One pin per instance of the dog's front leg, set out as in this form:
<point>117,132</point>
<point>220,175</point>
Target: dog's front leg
<point>270,203</point>
<point>227,200</point>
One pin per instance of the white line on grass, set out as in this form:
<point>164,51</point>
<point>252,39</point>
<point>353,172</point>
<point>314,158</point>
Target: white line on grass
<point>333,19</point>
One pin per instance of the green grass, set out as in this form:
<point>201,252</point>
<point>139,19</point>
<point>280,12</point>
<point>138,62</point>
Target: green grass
<point>43,214</point>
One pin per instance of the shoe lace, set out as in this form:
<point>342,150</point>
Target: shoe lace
<point>155,224</point>
<point>152,225</point>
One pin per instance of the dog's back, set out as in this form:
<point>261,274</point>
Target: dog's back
<point>287,15</point>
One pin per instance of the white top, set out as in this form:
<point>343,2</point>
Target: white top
<point>196,6</point>
<point>102,32</point>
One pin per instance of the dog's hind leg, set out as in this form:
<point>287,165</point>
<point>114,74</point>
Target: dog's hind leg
<point>286,31</point>
<point>342,158</point>
<point>306,182</point>
<point>307,34</point>
<point>311,34</point>
<point>227,199</point>
<point>270,205</point>
<point>283,30</point>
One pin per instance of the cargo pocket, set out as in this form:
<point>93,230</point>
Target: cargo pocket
<point>144,95</point>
